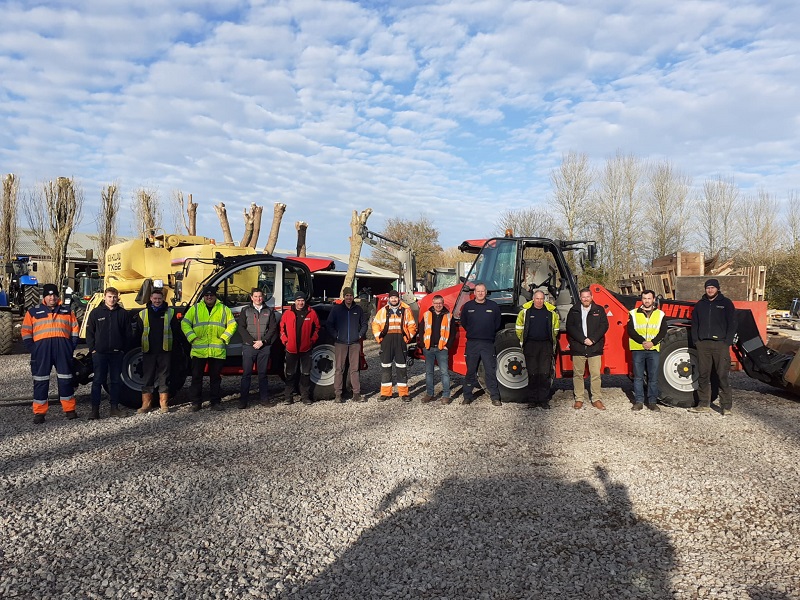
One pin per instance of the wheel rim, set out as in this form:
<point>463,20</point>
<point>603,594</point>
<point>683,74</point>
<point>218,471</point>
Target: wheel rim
<point>511,371</point>
<point>133,370</point>
<point>322,365</point>
<point>678,368</point>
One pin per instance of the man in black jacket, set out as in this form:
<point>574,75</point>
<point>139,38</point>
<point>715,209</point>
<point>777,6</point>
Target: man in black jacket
<point>108,336</point>
<point>347,325</point>
<point>480,320</point>
<point>713,329</point>
<point>258,328</point>
<point>587,324</point>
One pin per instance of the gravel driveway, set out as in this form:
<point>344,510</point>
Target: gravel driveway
<point>403,501</point>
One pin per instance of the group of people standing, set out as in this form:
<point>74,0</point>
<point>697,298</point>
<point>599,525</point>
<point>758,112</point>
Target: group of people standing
<point>50,332</point>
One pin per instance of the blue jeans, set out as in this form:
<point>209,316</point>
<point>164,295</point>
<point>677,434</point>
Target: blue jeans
<point>106,366</point>
<point>439,356</point>
<point>645,359</point>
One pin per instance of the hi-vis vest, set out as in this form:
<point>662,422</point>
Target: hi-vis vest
<point>209,337</point>
<point>647,327</point>
<point>444,331</point>
<point>167,341</point>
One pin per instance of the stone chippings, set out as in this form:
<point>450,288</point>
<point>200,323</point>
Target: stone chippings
<point>403,501</point>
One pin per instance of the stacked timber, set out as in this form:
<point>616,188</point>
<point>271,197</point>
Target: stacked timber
<point>681,275</point>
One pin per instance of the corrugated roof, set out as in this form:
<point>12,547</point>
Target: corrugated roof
<point>365,268</point>
<point>76,250</point>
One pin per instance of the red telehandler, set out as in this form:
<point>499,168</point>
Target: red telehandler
<point>512,268</point>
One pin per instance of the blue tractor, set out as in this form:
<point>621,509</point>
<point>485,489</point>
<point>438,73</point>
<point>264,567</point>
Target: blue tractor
<point>23,287</point>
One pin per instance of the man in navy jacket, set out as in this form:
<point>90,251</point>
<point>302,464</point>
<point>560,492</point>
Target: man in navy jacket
<point>347,325</point>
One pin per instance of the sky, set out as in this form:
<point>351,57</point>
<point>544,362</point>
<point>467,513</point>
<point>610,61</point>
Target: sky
<point>453,109</point>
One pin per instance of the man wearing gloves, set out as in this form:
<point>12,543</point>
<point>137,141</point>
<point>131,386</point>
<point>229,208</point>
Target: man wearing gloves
<point>50,334</point>
<point>713,329</point>
<point>258,328</point>
<point>208,327</point>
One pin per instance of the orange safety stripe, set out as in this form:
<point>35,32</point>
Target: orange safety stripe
<point>50,326</point>
<point>444,332</point>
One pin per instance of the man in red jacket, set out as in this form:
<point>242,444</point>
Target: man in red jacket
<point>299,332</point>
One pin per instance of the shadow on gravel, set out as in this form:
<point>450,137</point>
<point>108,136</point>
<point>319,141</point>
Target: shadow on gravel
<point>505,538</point>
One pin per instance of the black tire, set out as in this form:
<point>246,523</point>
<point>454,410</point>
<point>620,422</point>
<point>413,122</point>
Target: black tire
<point>132,379</point>
<point>512,375</point>
<point>6,332</point>
<point>677,370</point>
<point>79,310</point>
<point>33,297</point>
<point>322,371</point>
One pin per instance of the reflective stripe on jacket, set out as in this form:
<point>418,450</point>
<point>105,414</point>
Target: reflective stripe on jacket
<point>427,329</point>
<point>167,339</point>
<point>401,321</point>
<point>42,322</point>
<point>647,326</point>
<point>208,331</point>
<point>522,321</point>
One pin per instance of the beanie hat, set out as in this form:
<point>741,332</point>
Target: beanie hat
<point>49,288</point>
<point>346,291</point>
<point>713,282</point>
<point>300,296</point>
<point>394,293</point>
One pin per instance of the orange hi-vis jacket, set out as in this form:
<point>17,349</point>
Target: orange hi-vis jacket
<point>387,321</point>
<point>41,322</point>
<point>444,332</point>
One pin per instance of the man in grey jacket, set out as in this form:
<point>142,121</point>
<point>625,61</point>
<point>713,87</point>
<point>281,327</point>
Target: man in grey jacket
<point>258,328</point>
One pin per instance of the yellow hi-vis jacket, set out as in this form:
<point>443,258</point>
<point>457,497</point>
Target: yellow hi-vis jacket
<point>208,331</point>
<point>166,344</point>
<point>647,327</point>
<point>522,322</point>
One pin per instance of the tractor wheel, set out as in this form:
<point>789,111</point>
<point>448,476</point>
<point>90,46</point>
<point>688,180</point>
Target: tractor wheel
<point>6,331</point>
<point>32,297</point>
<point>512,376</point>
<point>677,371</point>
<point>79,310</point>
<point>322,371</point>
<point>132,382</point>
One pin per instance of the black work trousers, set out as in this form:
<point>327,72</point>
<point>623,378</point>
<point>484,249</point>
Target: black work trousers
<point>481,351</point>
<point>214,379</point>
<point>539,362</point>
<point>259,357</point>
<point>713,357</point>
<point>298,367</point>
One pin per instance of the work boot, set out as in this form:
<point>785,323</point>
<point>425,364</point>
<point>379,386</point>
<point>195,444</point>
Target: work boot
<point>545,405</point>
<point>699,409</point>
<point>467,400</point>
<point>306,400</point>
<point>38,419</point>
<point>446,399</point>
<point>196,406</point>
<point>405,398</point>
<point>163,400</point>
<point>147,400</point>
<point>116,411</point>
<point>578,404</point>
<point>358,398</point>
<point>598,404</point>
<point>497,402</point>
<point>383,398</point>
<point>653,406</point>
<point>726,412</point>
<point>217,407</point>
<point>338,398</point>
<point>637,406</point>
<point>242,403</point>
<point>71,414</point>
<point>427,398</point>
<point>95,414</point>
<point>287,400</point>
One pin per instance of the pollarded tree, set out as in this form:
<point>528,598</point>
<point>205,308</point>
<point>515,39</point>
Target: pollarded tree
<point>419,235</point>
<point>53,212</point>
<point>107,222</point>
<point>8,217</point>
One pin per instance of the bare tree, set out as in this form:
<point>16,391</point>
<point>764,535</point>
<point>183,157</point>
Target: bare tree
<point>8,217</point>
<point>252,226</point>
<point>53,212</point>
<point>758,231</point>
<point>180,212</point>
<point>147,210</point>
<point>357,222</point>
<point>572,184</point>
<point>715,216</point>
<point>302,228</point>
<point>107,222</point>
<point>616,211</point>
<point>277,217</point>
<point>793,219</point>
<point>665,211</point>
<point>526,222</point>
<point>222,214</point>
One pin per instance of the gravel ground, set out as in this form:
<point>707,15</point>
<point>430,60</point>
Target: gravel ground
<point>401,500</point>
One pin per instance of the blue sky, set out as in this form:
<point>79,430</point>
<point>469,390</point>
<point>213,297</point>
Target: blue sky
<point>456,109</point>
